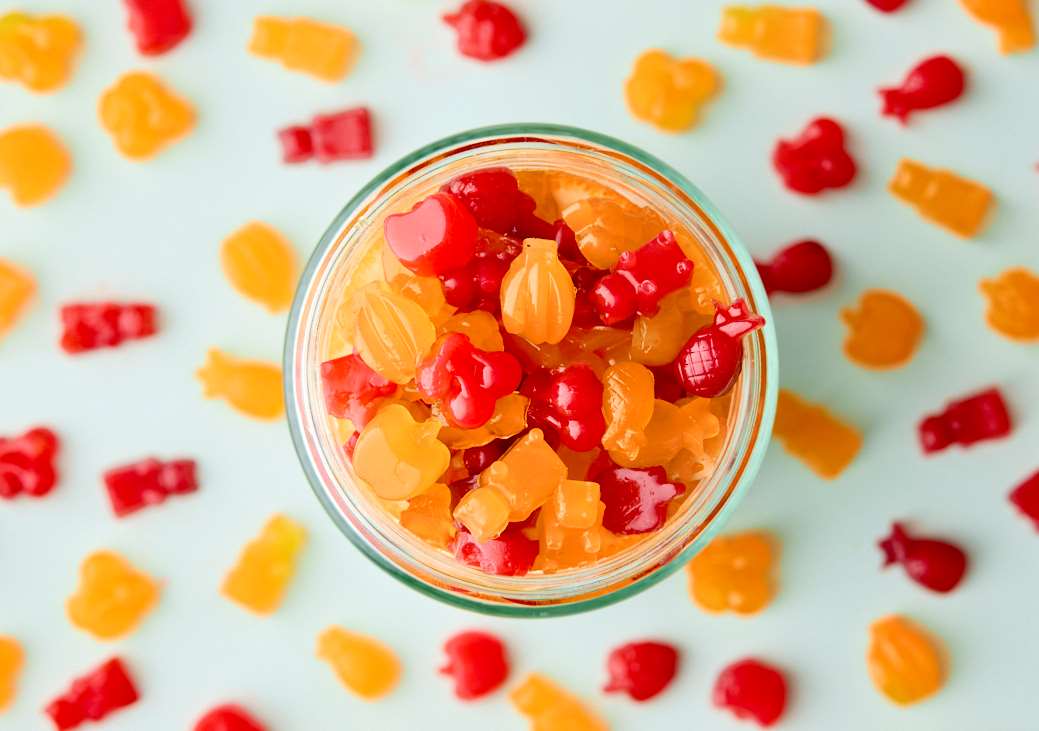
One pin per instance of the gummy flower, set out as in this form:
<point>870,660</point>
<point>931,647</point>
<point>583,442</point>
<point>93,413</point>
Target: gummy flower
<point>143,116</point>
<point>667,92</point>
<point>37,51</point>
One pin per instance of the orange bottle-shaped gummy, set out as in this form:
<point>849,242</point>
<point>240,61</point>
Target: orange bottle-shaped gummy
<point>942,197</point>
<point>537,294</point>
<point>788,35</point>
<point>301,44</point>
<point>1010,18</point>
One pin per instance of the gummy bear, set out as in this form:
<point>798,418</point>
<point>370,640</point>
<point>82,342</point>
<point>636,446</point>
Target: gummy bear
<point>635,498</point>
<point>884,330</point>
<point>751,689</point>
<point>27,463</point>
<point>477,662</point>
<point>399,457</point>
<point>774,33</point>
<point>904,663</point>
<point>352,390</point>
<point>694,460</point>
<point>158,26</point>
<point>12,658</point>
<point>16,289</point>
<point>34,164</point>
<point>343,135</point>
<point>250,387</point>
<point>643,670</point>
<point>1025,497</point>
<point>228,717</point>
<point>266,565</point>
<point>710,362</point>
<point>966,421</point>
<point>606,227</point>
<point>627,404</point>
<point>363,665</point>
<point>811,433</point>
<point>663,438</point>
<point>942,197</point>
<point>486,30</point>
<point>508,420</point>
<point>667,92</point>
<point>484,512</point>
<point>92,325</point>
<point>537,294</point>
<point>261,265</point>
<point>801,267</point>
<point>935,565</point>
<point>526,475</point>
<point>887,6</point>
<point>934,82</point>
<point>493,196</point>
<point>510,554</point>
<point>1013,304</point>
<point>480,327</point>
<point>428,516</point>
<point>550,708</point>
<point>392,333</point>
<point>640,278</point>
<point>143,116</point>
<point>326,52</point>
<point>734,573</point>
<point>135,486</point>
<point>38,51</point>
<point>113,597</point>
<point>94,696</point>
<point>1010,18</point>
<point>568,402</point>
<point>815,160</point>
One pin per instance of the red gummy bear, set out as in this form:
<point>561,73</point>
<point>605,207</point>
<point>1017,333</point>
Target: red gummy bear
<point>567,401</point>
<point>27,463</point>
<point>93,696</point>
<point>936,565</point>
<point>352,389</point>
<point>465,381</point>
<point>477,662</point>
<point>486,30</point>
<point>436,236</point>
<point>635,498</point>
<point>158,25</point>
<point>478,284</point>
<point>345,135</point>
<point>711,360</point>
<point>814,160</point>
<point>148,482</point>
<point>1025,497</point>
<point>974,419</point>
<point>752,690</point>
<point>641,669</point>
<point>88,326</point>
<point>493,197</point>
<point>641,278</point>
<point>510,554</point>
<point>933,82</point>
<point>229,717</point>
<point>801,267</point>
<point>887,6</point>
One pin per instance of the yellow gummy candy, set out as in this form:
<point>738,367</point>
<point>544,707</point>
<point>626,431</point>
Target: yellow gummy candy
<point>11,660</point>
<point>904,662</point>
<point>1013,304</point>
<point>37,51</point>
<point>788,35</point>
<point>550,708</point>
<point>428,516</point>
<point>34,164</point>
<point>391,332</point>
<point>942,197</point>
<point>398,456</point>
<point>261,265</point>
<point>251,387</point>
<point>143,116</point>
<point>808,431</point>
<point>663,438</point>
<point>480,326</point>
<point>301,44</point>
<point>668,92</point>
<point>526,475</point>
<point>484,512</point>
<point>508,420</point>
<point>563,547</point>
<point>363,665</point>
<point>16,289</point>
<point>113,597</point>
<point>1010,18</point>
<point>266,566</point>
<point>537,294</point>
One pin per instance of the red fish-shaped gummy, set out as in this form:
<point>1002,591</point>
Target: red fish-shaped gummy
<point>709,363</point>
<point>493,197</point>
<point>801,267</point>
<point>352,389</point>
<point>477,662</point>
<point>815,160</point>
<point>567,402</point>
<point>635,498</point>
<point>977,418</point>
<point>477,284</point>
<point>1025,497</point>
<point>486,30</point>
<point>887,6</point>
<point>92,325</point>
<point>229,717</point>
<point>93,696</point>
<point>158,25</point>
<point>935,565</point>
<point>934,82</point>
<point>510,554</point>
<point>641,669</point>
<point>27,463</point>
<point>435,237</point>
<point>135,486</point>
<point>751,690</point>
<point>641,278</point>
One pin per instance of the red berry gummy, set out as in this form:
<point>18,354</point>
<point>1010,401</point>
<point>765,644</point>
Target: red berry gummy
<point>567,401</point>
<point>1025,497</point>
<point>965,422</point>
<point>935,565</point>
<point>887,6</point>
<point>801,267</point>
<point>93,696</point>
<point>352,389</point>
<point>477,662</point>
<point>435,237</point>
<point>486,30</point>
<point>158,25</point>
<point>510,554</point>
<point>641,278</point>
<point>27,463</point>
<point>934,82</point>
<point>751,690</point>
<point>88,326</point>
<point>635,499</point>
<point>477,284</point>
<point>345,135</point>
<point>148,482</point>
<point>641,669</point>
<point>229,717</point>
<point>711,360</point>
<point>815,160</point>
<point>493,197</point>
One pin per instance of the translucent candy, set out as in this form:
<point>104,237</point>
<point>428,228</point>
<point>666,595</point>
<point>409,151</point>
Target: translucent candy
<point>399,457</point>
<point>904,663</point>
<point>266,566</point>
<point>484,512</point>
<point>627,404</point>
<point>481,327</point>
<point>478,663</point>
<point>428,516</point>
<point>261,265</point>
<point>663,438</point>
<point>643,670</point>
<point>668,92</point>
<point>751,689</point>
<point>250,387</point>
<point>37,51</point>
<point>774,33</point>
<point>16,289</point>
<point>815,436</point>
<point>734,573</point>
<point>884,330</point>
<point>562,547</point>
<point>391,332</point>
<point>112,598</point>
<point>550,708</point>
<point>606,227</point>
<point>34,164</point>
<point>364,666</point>
<point>1010,18</point>
<point>537,294</point>
<point>657,340</point>
<point>94,696</point>
<point>934,82</point>
<point>1013,304</point>
<point>942,197</point>
<point>11,660</point>
<point>695,460</point>
<point>324,51</point>
<point>143,116</point>
<point>508,420</point>
<point>526,475</point>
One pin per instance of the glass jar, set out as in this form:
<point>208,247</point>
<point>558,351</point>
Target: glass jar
<point>348,255</point>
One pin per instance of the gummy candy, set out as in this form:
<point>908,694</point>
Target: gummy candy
<point>266,565</point>
<point>811,433</point>
<point>934,82</point>
<point>887,6</point>
<point>480,327</point>
<point>1010,18</point>
<point>493,196</point>
<point>641,278</point>
<point>537,294</point>
<point>607,227</point>
<point>627,404</point>
<point>550,708</point>
<point>884,330</point>
<point>352,390</point>
<point>484,512</point>
<point>228,717</point>
<point>1013,304</point>
<point>398,456</point>
<point>477,662</point>
<point>734,573</point>
<point>753,690</point>
<point>11,660</point>
<point>478,284</point>
<point>710,362</point>
<point>363,665</point>
<point>966,421</point>
<point>656,340</point>
<point>135,486</point>
<point>509,419</point>
<point>635,498</point>
<point>526,475</point>
<point>428,516</point>
<point>392,333</point>
<point>486,30</point>
<point>261,265</point>
<point>92,325</point>
<point>345,135</point>
<point>803,266</point>
<point>250,387</point>
<point>663,438</point>
<point>34,164</point>
<point>158,25</point>
<point>94,696</point>
<point>37,51</point>
<point>27,463</point>
<point>774,33</point>
<point>935,565</point>
<point>641,669</point>
<point>904,663</point>
<point>16,289</point>
<point>668,92</point>
<point>942,197</point>
<point>694,460</point>
<point>815,160</point>
<point>569,403</point>
<point>1025,497</point>
<point>326,52</point>
<point>143,116</point>
<point>113,597</point>
<point>510,554</point>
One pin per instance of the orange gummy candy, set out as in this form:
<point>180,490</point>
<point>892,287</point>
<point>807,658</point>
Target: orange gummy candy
<point>508,420</point>
<point>537,294</point>
<point>37,51</point>
<point>808,431</point>
<point>324,51</point>
<point>1013,304</point>
<point>1010,18</point>
<point>705,288</point>
<point>143,116</point>
<point>884,330</point>
<point>571,526</point>
<point>16,289</point>
<point>11,660</point>
<point>481,327</point>
<point>426,292</point>
<point>34,164</point>
<point>428,516</point>
<point>627,405</point>
<point>250,387</point>
<point>734,573</point>
<point>606,227</point>
<point>363,665</point>
<point>657,339</point>
<point>267,564</point>
<point>663,438</point>
<point>550,708</point>
<point>694,460</point>
<point>112,598</point>
<point>788,35</point>
<point>904,662</point>
<point>261,265</point>
<point>667,92</point>
<point>484,512</point>
<point>398,456</point>
<point>942,197</point>
<point>526,475</point>
<point>391,332</point>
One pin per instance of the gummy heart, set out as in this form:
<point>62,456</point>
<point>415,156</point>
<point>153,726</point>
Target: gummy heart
<point>569,402</point>
<point>967,421</point>
<point>752,690</point>
<point>434,237</point>
<point>510,554</point>
<point>229,717</point>
<point>477,662</point>
<point>352,389</point>
<point>815,160</point>
<point>486,30</point>
<point>135,486</point>
<point>803,266</point>
<point>641,669</point>
<point>711,360</point>
<point>936,565</point>
<point>636,499</point>
<point>27,463</point>
<point>934,82</point>
<point>493,197</point>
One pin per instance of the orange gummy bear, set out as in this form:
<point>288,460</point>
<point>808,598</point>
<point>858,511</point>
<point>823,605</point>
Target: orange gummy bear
<point>266,566</point>
<point>398,456</point>
<point>550,708</point>
<point>884,330</point>
<point>12,658</point>
<point>324,51</point>
<point>508,420</point>
<point>481,327</point>
<point>694,460</point>
<point>261,265</point>
<point>1010,18</point>
<point>734,573</point>
<point>627,405</point>
<point>537,294</point>
<point>705,288</point>
<point>526,475</point>
<point>1013,304</point>
<point>788,35</point>
<point>484,512</point>
<point>808,431</point>
<point>942,197</point>
<point>904,662</point>
<point>667,92</point>
<point>143,116</point>
<point>391,332</point>
<point>34,164</point>
<point>37,51</point>
<point>606,227</point>
<point>428,516</point>
<point>112,598</point>
<point>250,387</point>
<point>16,289</point>
<point>571,526</point>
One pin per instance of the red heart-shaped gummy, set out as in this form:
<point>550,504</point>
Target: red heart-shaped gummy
<point>434,237</point>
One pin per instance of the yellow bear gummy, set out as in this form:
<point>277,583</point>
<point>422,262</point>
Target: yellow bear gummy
<point>667,92</point>
<point>113,597</point>
<point>11,660</point>
<point>904,663</point>
<point>363,665</point>
<point>428,516</point>
<point>391,332</point>
<point>261,265</point>
<point>627,405</point>
<point>550,708</point>
<point>250,387</point>
<point>16,289</point>
<point>734,573</point>
<point>34,164</point>
<point>537,294</point>
<point>324,51</point>
<point>266,566</point>
<point>526,475</point>
<point>398,456</point>
<point>789,35</point>
<point>1013,304</point>
<point>143,116</point>
<point>37,51</point>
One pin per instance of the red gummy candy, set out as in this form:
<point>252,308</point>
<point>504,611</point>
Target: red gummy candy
<point>804,266</point>
<point>88,326</point>
<point>148,482</point>
<point>27,463</point>
<point>936,565</point>
<point>933,82</point>
<point>1025,497</point>
<point>510,554</point>
<point>530,226</point>
<point>486,30</point>
<point>158,25</point>
<point>566,243</point>
<point>352,389</point>
<point>635,498</point>
<point>814,160</point>
<point>493,197</point>
<point>641,278</point>
<point>666,385</point>
<point>586,305</point>
<point>887,6</point>
<point>477,459</point>
<point>477,284</point>
<point>751,690</point>
<point>93,696</point>
<point>711,360</point>
<point>229,717</point>
<point>567,401</point>
<point>477,662</point>
<point>297,144</point>
<point>641,669</point>
<point>435,237</point>
<point>974,419</point>
<point>345,135</point>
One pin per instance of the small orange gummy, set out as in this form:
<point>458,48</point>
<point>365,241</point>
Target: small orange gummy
<point>808,431</point>
<point>1013,304</point>
<point>261,265</point>
<point>113,597</point>
<point>428,516</point>
<point>537,294</point>
<point>608,226</point>
<point>260,577</point>
<point>250,387</point>
<point>734,573</point>
<point>550,708</point>
<point>904,662</point>
<point>37,51</point>
<point>942,197</point>
<point>884,330</point>
<point>669,93</point>
<point>16,289</point>
<point>34,164</point>
<point>775,33</point>
<point>324,51</point>
<point>143,116</point>
<point>363,665</point>
<point>12,657</point>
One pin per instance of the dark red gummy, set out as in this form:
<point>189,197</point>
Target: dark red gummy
<point>476,286</point>
<point>135,486</point>
<point>352,389</point>
<point>486,30</point>
<point>158,25</point>
<point>93,696</point>
<point>815,160</point>
<point>887,6</point>
<point>297,144</point>
<point>477,459</point>
<point>586,309</point>
<point>801,267</point>
<point>477,662</point>
<point>751,690</point>
<point>711,360</point>
<point>27,463</point>
<point>641,669</point>
<point>567,402</point>
<point>229,717</point>
<point>510,554</point>
<point>566,243</point>
<point>666,385</point>
<point>493,197</point>
<point>614,299</point>
<point>935,565</point>
<point>437,236</point>
<point>1025,497</point>
<point>635,498</point>
<point>530,226</point>
<point>934,82</point>
<point>976,418</point>
<point>92,325</point>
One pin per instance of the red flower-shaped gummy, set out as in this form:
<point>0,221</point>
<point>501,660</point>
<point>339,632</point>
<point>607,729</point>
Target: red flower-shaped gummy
<point>477,662</point>
<point>709,363</point>
<point>934,82</point>
<point>352,389</point>
<point>510,554</point>
<point>229,717</point>
<point>751,690</point>
<point>27,463</point>
<point>641,669</point>
<point>1025,497</point>
<point>635,498</point>
<point>88,326</point>
<point>567,402</point>
<point>148,482</point>
<point>801,267</point>
<point>93,696</point>
<point>486,30</point>
<point>965,422</point>
<point>815,160</point>
<point>935,565</point>
<point>434,237</point>
<point>641,278</point>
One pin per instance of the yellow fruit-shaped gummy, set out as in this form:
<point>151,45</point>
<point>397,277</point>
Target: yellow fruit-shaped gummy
<point>261,265</point>
<point>904,662</point>
<point>112,598</point>
<point>391,332</point>
<point>363,665</point>
<point>627,404</point>
<point>537,294</point>
<point>259,580</point>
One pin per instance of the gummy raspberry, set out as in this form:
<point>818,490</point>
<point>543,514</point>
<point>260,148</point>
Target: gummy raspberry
<point>436,236</point>
<point>711,360</point>
<point>801,267</point>
<point>477,662</point>
<point>567,402</point>
<point>27,463</point>
<point>752,690</point>
<point>935,565</point>
<point>486,30</point>
<point>352,389</point>
<point>510,554</point>
<point>641,669</point>
<point>493,197</point>
<point>815,160</point>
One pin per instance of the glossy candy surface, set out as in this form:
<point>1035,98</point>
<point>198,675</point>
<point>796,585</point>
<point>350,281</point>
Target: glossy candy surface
<point>935,565</point>
<point>966,421</point>
<point>510,554</point>
<point>157,26</point>
<point>265,567</point>
<point>526,475</point>
<point>428,516</point>
<point>904,662</point>
<point>627,405</point>
<point>392,333</point>
<point>568,402</point>
<point>668,92</point>
<point>1013,304</point>
<point>734,573</point>
<point>27,464</point>
<point>1011,20</point>
<point>352,390</point>
<point>752,690</point>
<point>942,197</point>
<point>12,658</point>
<point>150,481</point>
<point>884,330</point>
<point>1025,497</point>
<point>643,670</point>
<point>810,432</point>
<point>537,294</point>
<point>798,268</point>
<point>112,598</point>
<point>934,82</point>
<point>251,387</point>
<point>364,666</point>
<point>17,288</point>
<point>710,362</point>
<point>486,30</point>
<point>551,708</point>
<point>143,116</point>
<point>38,51</point>
<point>649,272</point>
<point>399,457</point>
<point>493,197</point>
<point>636,499</point>
<point>34,164</point>
<point>228,717</point>
<point>815,160</point>
<point>261,265</point>
<point>344,135</point>
<point>478,663</point>
<point>606,227</point>
<point>774,33</point>
<point>94,696</point>
<point>321,50</point>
